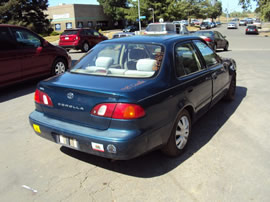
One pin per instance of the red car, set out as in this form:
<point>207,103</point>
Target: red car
<point>82,38</point>
<point>25,55</point>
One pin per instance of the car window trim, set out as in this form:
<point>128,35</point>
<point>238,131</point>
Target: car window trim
<point>202,67</point>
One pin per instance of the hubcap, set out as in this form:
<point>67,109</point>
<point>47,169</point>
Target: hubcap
<point>60,68</point>
<point>182,132</point>
<point>86,46</point>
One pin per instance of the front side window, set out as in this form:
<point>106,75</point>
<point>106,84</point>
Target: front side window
<point>207,53</point>
<point>6,41</point>
<point>122,60</point>
<point>186,60</point>
<point>26,38</point>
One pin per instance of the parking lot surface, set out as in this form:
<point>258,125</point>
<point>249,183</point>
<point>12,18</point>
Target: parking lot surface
<point>227,159</point>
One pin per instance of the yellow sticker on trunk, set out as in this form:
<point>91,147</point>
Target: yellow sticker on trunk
<point>36,128</point>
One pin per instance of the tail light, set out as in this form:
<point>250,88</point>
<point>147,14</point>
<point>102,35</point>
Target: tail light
<point>43,98</point>
<point>77,38</point>
<point>118,110</point>
<point>207,39</point>
<point>246,29</point>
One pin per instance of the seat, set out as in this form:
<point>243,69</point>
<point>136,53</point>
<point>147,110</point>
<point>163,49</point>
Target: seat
<point>144,68</point>
<point>134,55</point>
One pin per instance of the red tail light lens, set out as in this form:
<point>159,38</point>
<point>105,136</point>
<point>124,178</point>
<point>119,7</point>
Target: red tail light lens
<point>207,39</point>
<point>118,110</point>
<point>43,98</point>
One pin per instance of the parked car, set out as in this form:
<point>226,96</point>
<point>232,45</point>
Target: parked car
<point>166,28</point>
<point>122,34</point>
<point>218,23</point>
<point>242,23</point>
<point>214,39</point>
<point>25,55</point>
<point>205,25</point>
<point>131,28</point>
<point>80,39</point>
<point>252,29</point>
<point>232,25</point>
<point>249,20</point>
<point>258,23</point>
<point>131,95</point>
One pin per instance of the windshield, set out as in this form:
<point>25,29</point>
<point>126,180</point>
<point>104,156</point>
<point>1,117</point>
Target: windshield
<point>122,60</point>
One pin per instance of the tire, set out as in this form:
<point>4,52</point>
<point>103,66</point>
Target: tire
<point>226,47</point>
<point>85,47</point>
<point>59,66</point>
<point>231,92</point>
<point>179,136</point>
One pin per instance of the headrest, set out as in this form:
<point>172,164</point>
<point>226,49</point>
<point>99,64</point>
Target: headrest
<point>145,64</point>
<point>137,54</point>
<point>104,62</point>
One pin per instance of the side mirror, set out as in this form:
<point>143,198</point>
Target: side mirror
<point>45,43</point>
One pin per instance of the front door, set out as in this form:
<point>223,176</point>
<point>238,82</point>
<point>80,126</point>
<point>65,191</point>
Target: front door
<point>35,57</point>
<point>10,61</point>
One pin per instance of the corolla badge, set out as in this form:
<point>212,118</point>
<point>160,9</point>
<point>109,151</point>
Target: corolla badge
<point>70,95</point>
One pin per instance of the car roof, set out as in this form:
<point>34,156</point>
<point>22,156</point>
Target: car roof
<point>158,39</point>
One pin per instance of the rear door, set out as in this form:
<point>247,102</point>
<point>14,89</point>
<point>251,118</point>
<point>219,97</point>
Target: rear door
<point>36,59</point>
<point>195,79</point>
<point>10,58</point>
<point>219,72</point>
<point>95,37</point>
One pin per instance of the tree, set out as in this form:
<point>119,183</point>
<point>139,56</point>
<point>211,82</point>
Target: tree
<point>263,7</point>
<point>27,13</point>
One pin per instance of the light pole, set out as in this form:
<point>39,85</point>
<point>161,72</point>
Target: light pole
<point>151,9</point>
<point>140,26</point>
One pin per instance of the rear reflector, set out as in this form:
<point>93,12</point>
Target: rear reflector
<point>118,110</point>
<point>43,98</point>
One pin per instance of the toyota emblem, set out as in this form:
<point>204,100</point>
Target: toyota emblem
<point>70,95</point>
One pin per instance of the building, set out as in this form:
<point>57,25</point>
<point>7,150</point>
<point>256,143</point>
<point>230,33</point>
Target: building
<point>67,16</point>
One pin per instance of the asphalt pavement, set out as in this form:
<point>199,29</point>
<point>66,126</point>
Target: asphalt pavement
<point>227,159</point>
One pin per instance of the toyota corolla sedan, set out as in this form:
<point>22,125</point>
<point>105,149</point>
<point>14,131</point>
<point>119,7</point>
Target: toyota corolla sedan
<point>132,95</point>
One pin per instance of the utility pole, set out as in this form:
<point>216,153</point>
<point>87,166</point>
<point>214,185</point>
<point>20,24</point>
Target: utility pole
<point>140,26</point>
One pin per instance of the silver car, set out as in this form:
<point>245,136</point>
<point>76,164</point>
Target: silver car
<point>232,25</point>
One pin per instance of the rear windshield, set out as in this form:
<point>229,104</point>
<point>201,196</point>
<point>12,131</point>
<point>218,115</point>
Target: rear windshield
<point>208,34</point>
<point>252,27</point>
<point>122,60</point>
<point>70,32</point>
<point>156,28</point>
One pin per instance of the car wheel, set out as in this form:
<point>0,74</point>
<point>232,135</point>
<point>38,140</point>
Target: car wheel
<point>231,92</point>
<point>59,66</point>
<point>226,47</point>
<point>85,47</point>
<point>179,135</point>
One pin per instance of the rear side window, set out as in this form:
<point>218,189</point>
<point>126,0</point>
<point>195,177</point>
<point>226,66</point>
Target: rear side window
<point>207,53</point>
<point>6,41</point>
<point>186,60</point>
<point>170,27</point>
<point>122,60</point>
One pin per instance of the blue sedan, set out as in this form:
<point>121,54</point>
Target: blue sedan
<point>131,95</point>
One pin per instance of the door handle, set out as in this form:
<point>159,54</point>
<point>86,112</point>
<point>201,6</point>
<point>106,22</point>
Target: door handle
<point>190,89</point>
<point>214,75</point>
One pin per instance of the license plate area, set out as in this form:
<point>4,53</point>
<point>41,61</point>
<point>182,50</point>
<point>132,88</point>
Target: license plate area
<point>70,142</point>
<point>66,38</point>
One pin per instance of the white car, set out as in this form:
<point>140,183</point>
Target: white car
<point>258,23</point>
<point>232,25</point>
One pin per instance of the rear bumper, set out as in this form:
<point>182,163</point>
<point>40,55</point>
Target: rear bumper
<point>70,46</point>
<point>128,143</point>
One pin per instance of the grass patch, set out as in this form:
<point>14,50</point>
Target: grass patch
<point>51,38</point>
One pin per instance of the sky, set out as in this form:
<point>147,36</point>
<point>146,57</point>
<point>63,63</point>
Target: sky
<point>232,5</point>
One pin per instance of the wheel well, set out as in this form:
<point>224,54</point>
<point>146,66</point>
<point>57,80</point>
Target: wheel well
<point>63,58</point>
<point>190,111</point>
